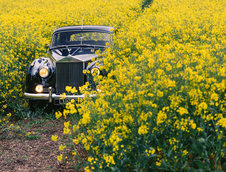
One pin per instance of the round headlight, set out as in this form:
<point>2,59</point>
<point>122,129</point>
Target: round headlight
<point>95,71</point>
<point>43,72</point>
<point>39,88</point>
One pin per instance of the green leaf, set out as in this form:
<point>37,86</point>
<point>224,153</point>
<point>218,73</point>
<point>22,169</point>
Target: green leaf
<point>224,166</point>
<point>200,164</point>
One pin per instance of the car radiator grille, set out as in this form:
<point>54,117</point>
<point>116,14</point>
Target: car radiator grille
<point>69,74</point>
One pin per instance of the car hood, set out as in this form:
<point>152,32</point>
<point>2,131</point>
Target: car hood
<point>78,57</point>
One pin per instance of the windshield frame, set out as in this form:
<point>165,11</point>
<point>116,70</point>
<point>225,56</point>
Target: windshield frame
<point>81,31</point>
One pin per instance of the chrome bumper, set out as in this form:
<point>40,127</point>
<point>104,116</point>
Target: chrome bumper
<point>50,96</point>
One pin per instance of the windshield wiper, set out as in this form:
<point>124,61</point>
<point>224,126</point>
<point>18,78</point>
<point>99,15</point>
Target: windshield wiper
<point>64,46</point>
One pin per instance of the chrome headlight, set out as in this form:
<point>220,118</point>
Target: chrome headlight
<point>43,72</point>
<point>95,71</point>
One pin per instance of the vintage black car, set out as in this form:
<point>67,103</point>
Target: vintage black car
<point>71,51</point>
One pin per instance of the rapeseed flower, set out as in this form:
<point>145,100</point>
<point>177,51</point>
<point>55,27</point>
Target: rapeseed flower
<point>143,129</point>
<point>54,138</point>
<point>222,122</point>
<point>60,157</point>
<point>62,147</point>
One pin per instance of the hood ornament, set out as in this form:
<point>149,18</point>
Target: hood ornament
<point>69,51</point>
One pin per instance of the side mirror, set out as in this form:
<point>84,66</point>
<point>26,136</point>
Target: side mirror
<point>46,46</point>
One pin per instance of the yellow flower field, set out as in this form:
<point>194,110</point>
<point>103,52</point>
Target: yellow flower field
<point>162,104</point>
<point>26,26</point>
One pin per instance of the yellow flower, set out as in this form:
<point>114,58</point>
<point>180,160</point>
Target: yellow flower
<point>63,96</point>
<point>90,159</point>
<point>9,114</point>
<point>54,138</point>
<point>60,158</point>
<point>28,133</point>
<point>67,124</point>
<point>185,152</point>
<point>161,117</point>
<point>182,111</point>
<point>74,90</point>
<point>109,159</point>
<point>193,126</point>
<point>158,163</point>
<point>214,97</point>
<point>68,88</point>
<point>143,129</point>
<point>58,114</point>
<point>222,122</point>
<point>66,130</point>
<point>75,141</point>
<point>199,129</point>
<point>62,147</point>
<point>160,93</point>
<point>84,71</point>
<point>203,105</point>
<point>87,169</point>
<point>150,151</point>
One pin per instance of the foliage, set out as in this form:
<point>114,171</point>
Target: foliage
<point>162,104</point>
<point>146,3</point>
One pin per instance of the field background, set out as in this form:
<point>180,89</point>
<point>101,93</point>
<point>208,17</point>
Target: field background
<point>164,98</point>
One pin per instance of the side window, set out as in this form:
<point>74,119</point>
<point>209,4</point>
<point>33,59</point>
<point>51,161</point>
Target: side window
<point>56,39</point>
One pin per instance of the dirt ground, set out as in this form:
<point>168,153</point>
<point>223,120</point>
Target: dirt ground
<point>36,152</point>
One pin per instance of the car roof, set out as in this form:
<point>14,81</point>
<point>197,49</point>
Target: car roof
<point>85,28</point>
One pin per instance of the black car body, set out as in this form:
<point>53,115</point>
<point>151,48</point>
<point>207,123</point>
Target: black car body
<point>71,52</point>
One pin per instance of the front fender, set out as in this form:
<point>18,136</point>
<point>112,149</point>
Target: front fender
<point>33,78</point>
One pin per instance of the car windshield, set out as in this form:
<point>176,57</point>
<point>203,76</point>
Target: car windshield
<point>80,38</point>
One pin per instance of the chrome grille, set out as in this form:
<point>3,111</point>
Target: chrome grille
<point>68,74</point>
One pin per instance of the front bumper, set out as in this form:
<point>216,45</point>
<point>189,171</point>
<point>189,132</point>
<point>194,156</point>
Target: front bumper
<point>52,96</point>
